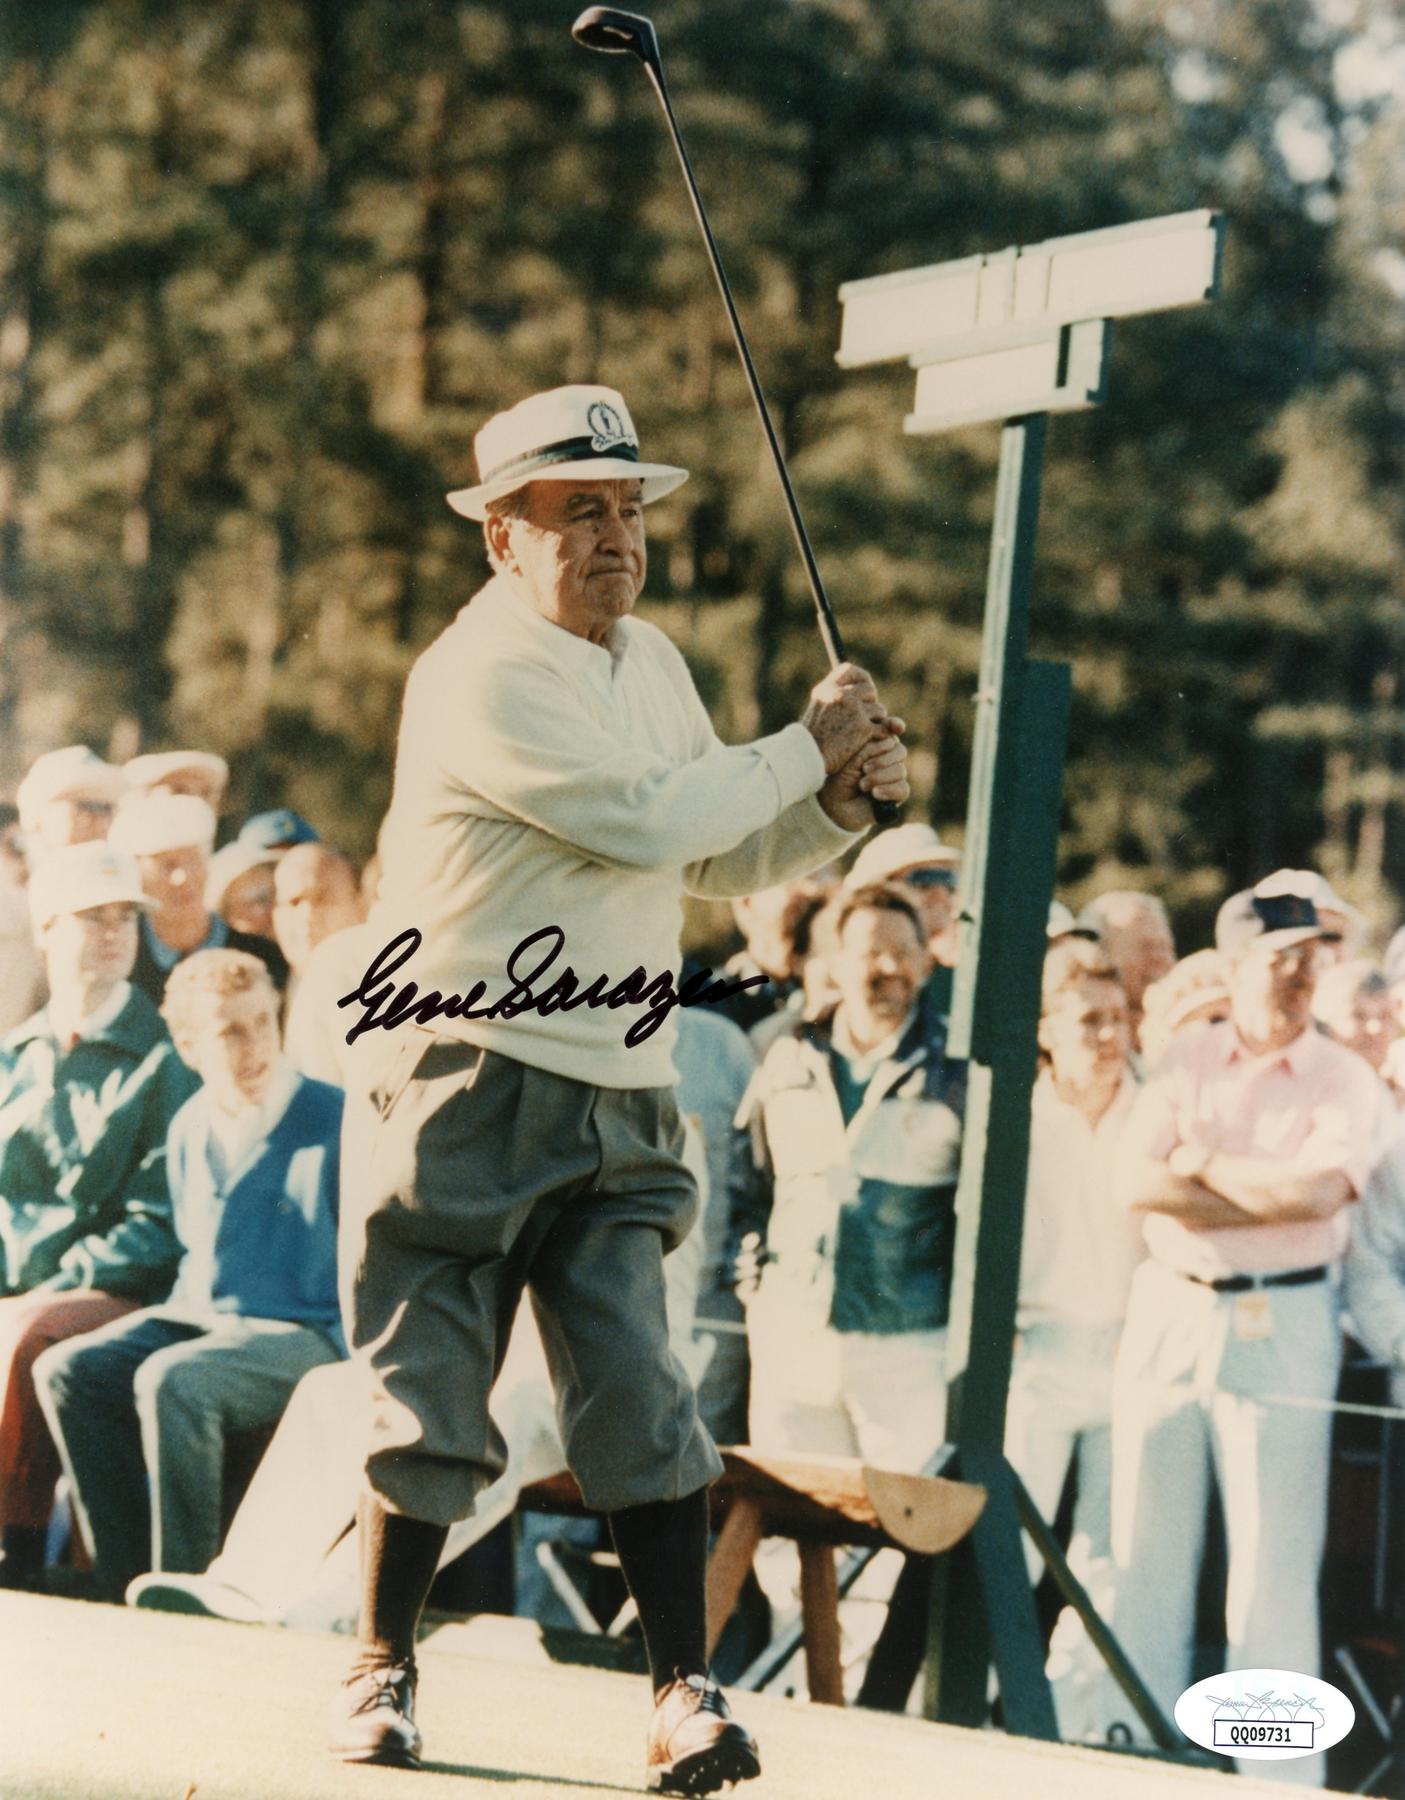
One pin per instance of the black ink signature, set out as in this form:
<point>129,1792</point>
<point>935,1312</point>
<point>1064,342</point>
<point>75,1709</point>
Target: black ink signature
<point>385,1006</point>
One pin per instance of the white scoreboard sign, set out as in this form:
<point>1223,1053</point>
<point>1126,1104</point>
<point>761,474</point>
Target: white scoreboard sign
<point>1024,330</point>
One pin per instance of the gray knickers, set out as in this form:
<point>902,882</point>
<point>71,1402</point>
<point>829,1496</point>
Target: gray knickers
<point>467,1176</point>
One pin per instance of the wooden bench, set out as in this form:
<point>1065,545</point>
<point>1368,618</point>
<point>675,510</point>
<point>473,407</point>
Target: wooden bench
<point>820,1502</point>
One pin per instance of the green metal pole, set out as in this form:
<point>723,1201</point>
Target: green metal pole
<point>1006,633</point>
<point>982,1600</point>
<point>995,1155</point>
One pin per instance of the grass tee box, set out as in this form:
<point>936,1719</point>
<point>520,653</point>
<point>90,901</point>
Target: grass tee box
<point>1023,329</point>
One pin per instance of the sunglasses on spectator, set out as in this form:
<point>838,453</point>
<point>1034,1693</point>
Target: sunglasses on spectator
<point>929,878</point>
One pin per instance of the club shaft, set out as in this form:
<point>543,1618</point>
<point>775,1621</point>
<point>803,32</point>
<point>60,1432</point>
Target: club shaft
<point>885,812</point>
<point>829,625</point>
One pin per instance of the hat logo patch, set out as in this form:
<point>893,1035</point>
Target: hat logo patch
<point>607,428</point>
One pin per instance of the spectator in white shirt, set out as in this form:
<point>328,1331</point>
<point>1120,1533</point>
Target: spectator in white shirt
<point>1079,1251</point>
<point>1079,1248</point>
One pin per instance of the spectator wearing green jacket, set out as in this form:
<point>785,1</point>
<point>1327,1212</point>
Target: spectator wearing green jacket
<point>845,1243</point>
<point>88,1088</point>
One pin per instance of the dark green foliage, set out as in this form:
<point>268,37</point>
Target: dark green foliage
<point>266,268</point>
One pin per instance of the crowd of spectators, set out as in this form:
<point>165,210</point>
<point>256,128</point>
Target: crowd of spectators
<point>1216,1195</point>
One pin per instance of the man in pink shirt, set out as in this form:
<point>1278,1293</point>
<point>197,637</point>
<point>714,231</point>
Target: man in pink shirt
<point>1243,1153</point>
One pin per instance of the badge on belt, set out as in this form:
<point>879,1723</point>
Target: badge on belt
<point>1253,1316</point>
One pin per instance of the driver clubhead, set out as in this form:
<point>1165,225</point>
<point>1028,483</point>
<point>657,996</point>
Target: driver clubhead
<point>617,34</point>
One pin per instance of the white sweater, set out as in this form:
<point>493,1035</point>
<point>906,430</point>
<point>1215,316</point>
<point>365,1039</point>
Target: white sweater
<point>542,780</point>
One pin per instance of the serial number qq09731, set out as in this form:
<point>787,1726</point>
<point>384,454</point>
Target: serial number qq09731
<point>1293,1734</point>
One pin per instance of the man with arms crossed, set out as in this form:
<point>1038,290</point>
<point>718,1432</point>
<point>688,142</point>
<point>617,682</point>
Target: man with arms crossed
<point>1243,1153</point>
<point>556,768</point>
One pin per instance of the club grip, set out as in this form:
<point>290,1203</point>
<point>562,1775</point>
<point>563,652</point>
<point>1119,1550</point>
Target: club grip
<point>886,812</point>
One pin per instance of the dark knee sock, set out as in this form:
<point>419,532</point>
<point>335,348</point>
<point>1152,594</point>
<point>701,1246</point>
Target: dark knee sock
<point>399,1556</point>
<point>662,1548</point>
<point>22,1555</point>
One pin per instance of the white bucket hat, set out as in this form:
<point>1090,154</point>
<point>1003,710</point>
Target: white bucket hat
<point>143,772</point>
<point>62,775</point>
<point>80,876</point>
<point>151,824</point>
<point>564,434</point>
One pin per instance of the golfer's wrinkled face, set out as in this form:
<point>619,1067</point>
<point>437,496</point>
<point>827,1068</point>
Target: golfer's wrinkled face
<point>578,551</point>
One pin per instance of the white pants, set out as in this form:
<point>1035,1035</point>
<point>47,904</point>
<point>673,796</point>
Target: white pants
<point>1192,1399</point>
<point>878,1396</point>
<point>1059,1408</point>
<point>290,1551</point>
<point>842,1393</point>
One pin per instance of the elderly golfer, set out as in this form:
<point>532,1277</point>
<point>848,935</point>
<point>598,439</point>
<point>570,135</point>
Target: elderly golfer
<point>557,772</point>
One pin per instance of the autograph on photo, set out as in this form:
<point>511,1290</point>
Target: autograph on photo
<point>385,1005</point>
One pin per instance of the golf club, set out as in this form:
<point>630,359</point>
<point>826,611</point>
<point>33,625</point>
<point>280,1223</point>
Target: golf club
<point>621,33</point>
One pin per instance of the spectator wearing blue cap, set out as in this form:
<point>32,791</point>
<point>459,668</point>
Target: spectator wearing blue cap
<point>88,1089</point>
<point>239,887</point>
<point>277,830</point>
<point>171,836</point>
